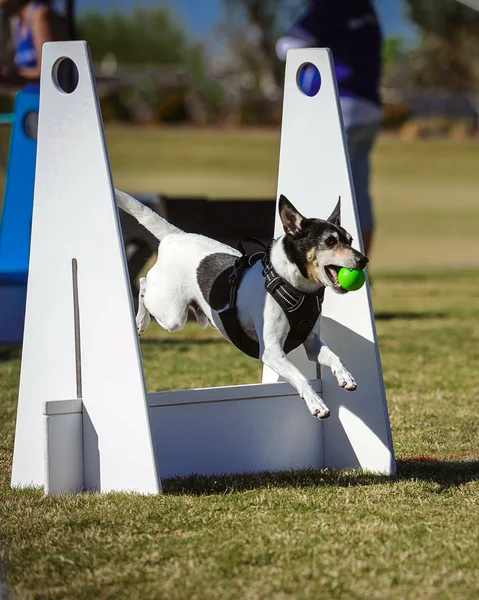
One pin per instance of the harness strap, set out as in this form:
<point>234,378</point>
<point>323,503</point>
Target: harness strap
<point>301,309</point>
<point>245,261</point>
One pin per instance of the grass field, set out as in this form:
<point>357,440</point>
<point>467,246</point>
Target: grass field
<point>313,534</point>
<point>425,192</point>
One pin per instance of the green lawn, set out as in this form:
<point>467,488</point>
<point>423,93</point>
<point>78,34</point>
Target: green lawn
<point>307,535</point>
<point>425,191</point>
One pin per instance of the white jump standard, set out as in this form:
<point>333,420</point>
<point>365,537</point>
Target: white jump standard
<point>85,421</point>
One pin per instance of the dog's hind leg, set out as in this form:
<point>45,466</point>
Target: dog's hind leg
<point>200,316</point>
<point>172,320</point>
<point>168,307</point>
<point>142,316</point>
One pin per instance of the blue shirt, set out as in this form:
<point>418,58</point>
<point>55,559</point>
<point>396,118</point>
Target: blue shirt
<point>351,30</point>
<point>25,50</point>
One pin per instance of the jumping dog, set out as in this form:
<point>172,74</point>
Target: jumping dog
<point>192,272</point>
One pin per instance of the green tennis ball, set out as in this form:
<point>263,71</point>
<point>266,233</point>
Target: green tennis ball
<point>351,279</point>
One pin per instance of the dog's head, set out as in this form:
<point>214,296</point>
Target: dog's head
<point>319,248</point>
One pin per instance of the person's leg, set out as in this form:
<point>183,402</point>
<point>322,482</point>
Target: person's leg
<point>361,140</point>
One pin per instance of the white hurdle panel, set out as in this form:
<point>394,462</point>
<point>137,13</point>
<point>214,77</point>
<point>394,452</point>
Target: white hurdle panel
<point>85,420</point>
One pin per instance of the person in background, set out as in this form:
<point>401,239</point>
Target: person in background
<point>350,29</point>
<point>32,23</point>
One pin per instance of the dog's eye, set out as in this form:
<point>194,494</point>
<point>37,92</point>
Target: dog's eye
<point>330,241</point>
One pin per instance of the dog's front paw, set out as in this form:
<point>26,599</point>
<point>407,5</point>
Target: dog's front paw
<point>316,406</point>
<point>346,380</point>
<point>321,413</point>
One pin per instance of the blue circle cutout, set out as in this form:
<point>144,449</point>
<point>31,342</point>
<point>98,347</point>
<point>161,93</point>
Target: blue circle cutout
<point>309,79</point>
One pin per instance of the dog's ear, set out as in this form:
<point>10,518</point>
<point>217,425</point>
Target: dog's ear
<point>335,216</point>
<point>290,217</point>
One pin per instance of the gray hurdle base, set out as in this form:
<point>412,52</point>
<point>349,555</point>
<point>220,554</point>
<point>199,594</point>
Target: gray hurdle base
<point>85,420</point>
<point>205,440</point>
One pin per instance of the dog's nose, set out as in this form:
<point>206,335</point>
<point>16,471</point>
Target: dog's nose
<point>362,261</point>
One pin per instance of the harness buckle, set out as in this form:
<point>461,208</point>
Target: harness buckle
<point>267,265</point>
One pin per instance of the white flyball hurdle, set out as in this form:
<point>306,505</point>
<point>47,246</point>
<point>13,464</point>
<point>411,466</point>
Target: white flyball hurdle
<point>85,420</point>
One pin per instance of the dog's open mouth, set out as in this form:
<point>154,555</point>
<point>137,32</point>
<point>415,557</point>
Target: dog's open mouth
<point>332,273</point>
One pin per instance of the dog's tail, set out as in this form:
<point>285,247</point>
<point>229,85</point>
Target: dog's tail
<point>155,224</point>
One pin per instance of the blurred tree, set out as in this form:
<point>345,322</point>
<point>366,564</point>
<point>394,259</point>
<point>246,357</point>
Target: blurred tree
<point>447,56</point>
<point>152,37</point>
<point>443,18</point>
<point>393,50</point>
<point>202,83</point>
<point>251,30</point>
<point>142,36</point>
<point>396,67</point>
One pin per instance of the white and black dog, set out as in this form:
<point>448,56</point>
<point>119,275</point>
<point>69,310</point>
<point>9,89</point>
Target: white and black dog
<point>194,272</point>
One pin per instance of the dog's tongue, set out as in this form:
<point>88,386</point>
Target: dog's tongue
<point>333,274</point>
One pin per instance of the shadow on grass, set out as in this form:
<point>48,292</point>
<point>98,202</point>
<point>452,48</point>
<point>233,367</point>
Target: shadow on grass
<point>408,316</point>
<point>446,473</point>
<point>11,352</point>
<point>179,341</point>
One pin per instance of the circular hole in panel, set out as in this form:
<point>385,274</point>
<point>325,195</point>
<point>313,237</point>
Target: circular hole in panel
<point>30,124</point>
<point>65,75</point>
<point>309,79</point>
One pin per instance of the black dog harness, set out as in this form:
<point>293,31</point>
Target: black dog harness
<point>301,309</point>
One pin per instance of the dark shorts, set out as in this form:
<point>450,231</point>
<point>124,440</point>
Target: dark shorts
<point>361,140</point>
